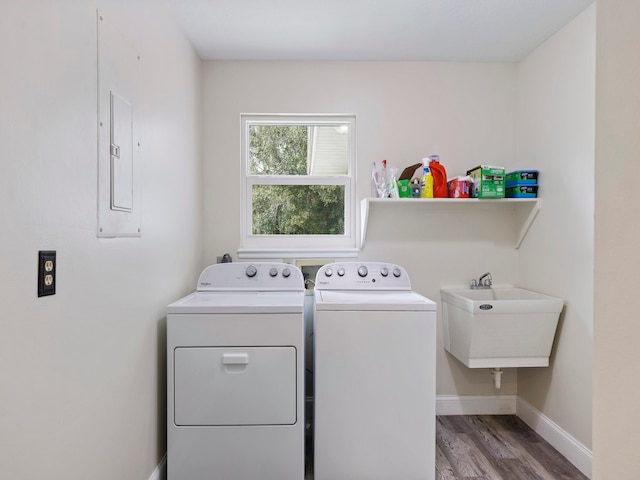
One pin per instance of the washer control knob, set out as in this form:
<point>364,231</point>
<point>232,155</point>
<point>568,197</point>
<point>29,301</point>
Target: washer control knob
<point>341,272</point>
<point>384,271</point>
<point>396,272</point>
<point>286,272</point>
<point>363,271</point>
<point>328,272</point>
<point>273,272</point>
<point>251,271</point>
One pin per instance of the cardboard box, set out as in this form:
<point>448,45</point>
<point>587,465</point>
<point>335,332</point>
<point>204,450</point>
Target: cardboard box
<point>488,181</point>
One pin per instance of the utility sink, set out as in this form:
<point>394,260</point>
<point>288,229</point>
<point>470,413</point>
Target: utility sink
<point>501,326</point>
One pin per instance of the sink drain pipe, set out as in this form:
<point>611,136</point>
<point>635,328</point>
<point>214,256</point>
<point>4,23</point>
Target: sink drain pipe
<point>497,377</point>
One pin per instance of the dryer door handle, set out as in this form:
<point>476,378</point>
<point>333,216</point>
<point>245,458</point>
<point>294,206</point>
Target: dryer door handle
<point>235,358</point>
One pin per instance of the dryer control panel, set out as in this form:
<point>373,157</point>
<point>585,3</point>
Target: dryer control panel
<point>362,276</point>
<point>244,276</point>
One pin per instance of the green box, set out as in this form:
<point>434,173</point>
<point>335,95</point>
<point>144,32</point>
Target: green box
<point>488,181</point>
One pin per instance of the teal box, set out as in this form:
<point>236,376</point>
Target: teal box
<point>521,191</point>
<point>521,177</point>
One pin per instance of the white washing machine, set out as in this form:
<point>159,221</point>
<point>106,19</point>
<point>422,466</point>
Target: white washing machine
<point>374,374</point>
<point>235,370</point>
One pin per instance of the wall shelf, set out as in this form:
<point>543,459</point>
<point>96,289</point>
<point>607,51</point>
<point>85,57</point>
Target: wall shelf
<point>524,210</point>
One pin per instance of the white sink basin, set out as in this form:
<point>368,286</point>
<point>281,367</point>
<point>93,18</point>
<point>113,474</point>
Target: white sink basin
<point>503,326</point>
<point>501,299</point>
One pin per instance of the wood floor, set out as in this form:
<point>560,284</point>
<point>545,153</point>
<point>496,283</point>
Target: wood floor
<point>491,447</point>
<point>496,447</point>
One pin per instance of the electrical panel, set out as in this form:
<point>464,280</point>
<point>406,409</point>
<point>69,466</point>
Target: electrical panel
<point>119,149</point>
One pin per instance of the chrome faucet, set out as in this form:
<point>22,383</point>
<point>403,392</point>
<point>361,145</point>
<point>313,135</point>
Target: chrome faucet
<point>483,282</point>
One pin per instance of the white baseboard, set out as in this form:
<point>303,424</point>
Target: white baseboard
<point>475,405</point>
<point>160,473</point>
<point>569,447</point>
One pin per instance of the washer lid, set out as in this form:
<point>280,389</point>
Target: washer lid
<point>239,302</point>
<point>372,300</point>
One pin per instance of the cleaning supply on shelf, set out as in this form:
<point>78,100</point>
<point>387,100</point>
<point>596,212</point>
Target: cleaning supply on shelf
<point>404,190</point>
<point>521,177</point>
<point>377,182</point>
<point>415,188</point>
<point>521,191</point>
<point>458,187</point>
<point>383,180</point>
<point>521,184</point>
<point>439,174</point>
<point>390,180</point>
<point>426,182</point>
<point>488,181</point>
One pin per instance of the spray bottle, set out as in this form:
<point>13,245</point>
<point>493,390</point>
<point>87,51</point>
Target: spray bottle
<point>426,182</point>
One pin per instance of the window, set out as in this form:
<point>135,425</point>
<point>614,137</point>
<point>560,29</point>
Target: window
<point>298,184</point>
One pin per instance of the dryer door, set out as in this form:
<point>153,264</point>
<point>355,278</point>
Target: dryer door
<point>235,386</point>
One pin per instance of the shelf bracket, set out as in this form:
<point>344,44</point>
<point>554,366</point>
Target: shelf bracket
<point>527,223</point>
<point>364,217</point>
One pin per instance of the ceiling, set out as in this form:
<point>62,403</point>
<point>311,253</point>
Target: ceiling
<point>375,30</point>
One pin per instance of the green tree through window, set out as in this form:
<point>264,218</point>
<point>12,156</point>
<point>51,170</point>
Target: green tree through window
<point>286,209</point>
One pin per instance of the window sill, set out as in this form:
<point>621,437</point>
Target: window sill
<point>281,253</point>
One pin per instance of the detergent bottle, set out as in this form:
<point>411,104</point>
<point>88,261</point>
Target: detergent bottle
<point>439,175</point>
<point>426,182</point>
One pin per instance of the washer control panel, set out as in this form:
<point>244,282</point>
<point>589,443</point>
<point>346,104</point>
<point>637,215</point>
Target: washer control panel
<point>247,276</point>
<point>362,276</point>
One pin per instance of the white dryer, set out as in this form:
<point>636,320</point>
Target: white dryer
<point>235,370</point>
<point>374,374</point>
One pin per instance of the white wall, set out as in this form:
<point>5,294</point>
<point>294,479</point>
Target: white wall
<point>83,387</point>
<point>539,114</point>
<point>556,135</point>
<point>83,371</point>
<point>405,111</point>
<point>617,228</point>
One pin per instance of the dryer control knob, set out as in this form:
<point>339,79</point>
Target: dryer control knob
<point>384,271</point>
<point>363,271</point>
<point>273,272</point>
<point>341,272</point>
<point>286,272</point>
<point>396,272</point>
<point>251,271</point>
<point>328,272</point>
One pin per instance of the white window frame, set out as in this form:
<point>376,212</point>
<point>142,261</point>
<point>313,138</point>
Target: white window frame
<point>298,246</point>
